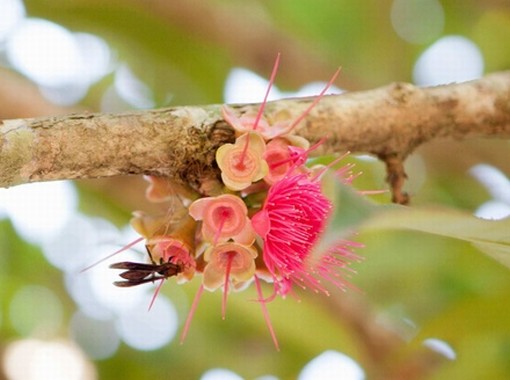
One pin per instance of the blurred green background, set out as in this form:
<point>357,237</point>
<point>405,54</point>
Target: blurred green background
<point>414,293</point>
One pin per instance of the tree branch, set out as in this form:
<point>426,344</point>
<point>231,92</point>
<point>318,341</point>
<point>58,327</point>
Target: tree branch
<point>180,142</point>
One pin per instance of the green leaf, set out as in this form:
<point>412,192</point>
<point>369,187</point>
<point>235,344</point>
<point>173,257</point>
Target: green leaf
<point>349,208</point>
<point>490,236</point>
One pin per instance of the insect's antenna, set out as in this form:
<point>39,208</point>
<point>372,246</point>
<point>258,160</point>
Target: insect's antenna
<point>150,254</point>
<point>316,100</point>
<point>114,253</point>
<point>264,102</point>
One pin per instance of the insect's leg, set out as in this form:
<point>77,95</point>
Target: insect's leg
<point>150,254</point>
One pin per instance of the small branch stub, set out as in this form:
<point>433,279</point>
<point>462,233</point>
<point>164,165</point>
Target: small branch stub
<point>396,177</point>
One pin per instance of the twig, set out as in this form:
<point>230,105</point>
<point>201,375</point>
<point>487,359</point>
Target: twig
<point>180,142</point>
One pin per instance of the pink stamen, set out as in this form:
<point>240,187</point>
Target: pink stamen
<point>156,292</point>
<point>265,313</point>
<point>373,192</point>
<point>264,102</point>
<point>262,106</point>
<point>316,100</point>
<point>329,166</point>
<point>191,313</point>
<point>113,254</point>
<point>225,288</point>
<point>296,157</point>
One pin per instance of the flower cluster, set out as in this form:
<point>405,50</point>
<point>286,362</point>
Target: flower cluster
<point>265,225</point>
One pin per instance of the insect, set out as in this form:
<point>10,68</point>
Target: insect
<point>140,273</point>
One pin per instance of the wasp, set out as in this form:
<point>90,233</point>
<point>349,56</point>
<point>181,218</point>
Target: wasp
<point>141,273</point>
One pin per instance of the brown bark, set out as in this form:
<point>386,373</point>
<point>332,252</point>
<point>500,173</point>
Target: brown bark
<point>180,142</point>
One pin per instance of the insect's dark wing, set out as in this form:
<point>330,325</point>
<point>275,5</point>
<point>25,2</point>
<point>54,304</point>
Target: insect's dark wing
<point>133,266</point>
<point>138,273</point>
<point>135,282</point>
<point>135,274</point>
<point>125,284</point>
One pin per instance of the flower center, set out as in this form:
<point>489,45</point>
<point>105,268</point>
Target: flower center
<point>243,162</point>
<point>228,259</point>
<point>222,214</point>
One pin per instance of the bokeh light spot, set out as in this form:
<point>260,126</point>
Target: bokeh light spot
<point>76,245</point>
<point>62,63</point>
<point>494,180</point>
<point>332,365</point>
<point>493,210</point>
<point>441,347</point>
<point>149,329</point>
<point>39,211</point>
<point>32,359</point>
<point>417,21</point>
<point>498,186</point>
<point>48,318</point>
<point>45,52</point>
<point>94,291</point>
<point>313,89</point>
<point>97,337</point>
<point>132,89</point>
<point>13,12</point>
<point>449,59</point>
<point>220,374</point>
<point>96,55</point>
<point>244,86</point>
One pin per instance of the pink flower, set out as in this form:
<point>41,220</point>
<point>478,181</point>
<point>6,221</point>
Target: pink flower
<point>229,262</point>
<point>290,223</point>
<point>241,163</point>
<point>223,217</point>
<point>174,250</point>
<point>169,240</point>
<point>282,154</point>
<point>338,256</point>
